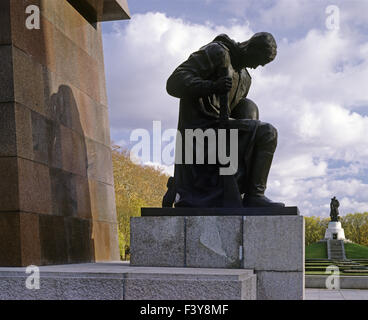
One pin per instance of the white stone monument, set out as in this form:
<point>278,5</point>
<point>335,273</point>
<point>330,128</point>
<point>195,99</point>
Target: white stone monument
<point>334,231</point>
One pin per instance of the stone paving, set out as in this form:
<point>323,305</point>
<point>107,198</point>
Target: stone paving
<point>343,294</point>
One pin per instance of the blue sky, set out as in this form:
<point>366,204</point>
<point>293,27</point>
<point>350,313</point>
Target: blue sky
<point>315,92</point>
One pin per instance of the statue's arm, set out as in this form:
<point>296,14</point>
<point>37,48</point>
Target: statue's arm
<point>195,77</point>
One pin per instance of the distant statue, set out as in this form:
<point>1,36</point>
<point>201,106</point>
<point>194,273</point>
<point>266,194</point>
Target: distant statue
<point>213,85</point>
<point>334,205</point>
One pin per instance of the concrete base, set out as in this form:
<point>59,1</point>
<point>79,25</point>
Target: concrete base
<point>272,246</point>
<point>334,231</point>
<point>120,281</point>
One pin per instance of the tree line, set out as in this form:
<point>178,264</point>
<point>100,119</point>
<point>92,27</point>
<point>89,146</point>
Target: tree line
<point>355,227</point>
<point>136,186</point>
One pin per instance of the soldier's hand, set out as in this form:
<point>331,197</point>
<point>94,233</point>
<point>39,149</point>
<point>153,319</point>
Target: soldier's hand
<point>223,85</point>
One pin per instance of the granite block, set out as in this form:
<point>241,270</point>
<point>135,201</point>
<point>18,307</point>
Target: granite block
<point>30,239</point>
<point>114,242</point>
<point>64,195</point>
<point>65,287</point>
<point>88,82</point>
<point>103,89</point>
<point>55,157</point>
<point>273,285</point>
<point>93,119</point>
<point>59,99</point>
<point>34,42</point>
<point>90,288</point>
<point>34,187</point>
<point>102,201</point>
<point>5,27</point>
<point>83,197</point>
<point>10,248</point>
<point>78,233</point>
<point>24,134</point>
<point>274,243</point>
<point>53,240</point>
<point>74,152</point>
<point>40,137</point>
<point>110,281</point>
<point>157,241</point>
<point>101,235</point>
<point>213,242</point>
<point>99,162</point>
<point>6,74</point>
<point>8,143</point>
<point>28,81</point>
<point>105,241</point>
<point>66,57</point>
<point>189,284</point>
<point>9,199</point>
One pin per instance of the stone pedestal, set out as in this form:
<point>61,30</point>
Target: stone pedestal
<point>334,231</point>
<point>272,246</point>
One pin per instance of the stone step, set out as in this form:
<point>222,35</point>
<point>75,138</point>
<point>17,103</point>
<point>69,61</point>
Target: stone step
<point>336,249</point>
<point>120,281</point>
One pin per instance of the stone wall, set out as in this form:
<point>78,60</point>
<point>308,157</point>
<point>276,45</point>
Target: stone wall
<point>56,183</point>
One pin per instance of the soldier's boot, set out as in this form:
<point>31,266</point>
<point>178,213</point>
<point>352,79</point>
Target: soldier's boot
<point>258,182</point>
<point>169,197</point>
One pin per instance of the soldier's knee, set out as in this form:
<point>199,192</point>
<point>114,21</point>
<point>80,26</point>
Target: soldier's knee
<point>245,109</point>
<point>269,130</point>
<point>268,135</point>
<point>273,131</point>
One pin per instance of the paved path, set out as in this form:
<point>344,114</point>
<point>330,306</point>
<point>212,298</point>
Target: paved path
<point>343,294</point>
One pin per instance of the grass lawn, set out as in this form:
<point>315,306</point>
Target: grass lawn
<point>316,250</point>
<point>356,251</point>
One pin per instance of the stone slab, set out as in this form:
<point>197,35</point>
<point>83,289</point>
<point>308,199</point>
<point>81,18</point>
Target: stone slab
<point>170,288</point>
<point>115,10</point>
<point>274,243</point>
<point>63,289</point>
<point>106,10</point>
<point>159,212</point>
<point>213,242</point>
<point>157,242</point>
<point>344,294</point>
<point>119,280</point>
<point>273,285</point>
<point>346,282</point>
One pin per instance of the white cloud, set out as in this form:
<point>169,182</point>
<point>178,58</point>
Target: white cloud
<point>308,93</point>
<point>163,168</point>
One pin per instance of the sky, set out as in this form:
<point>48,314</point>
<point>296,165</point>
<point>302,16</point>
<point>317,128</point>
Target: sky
<point>315,92</point>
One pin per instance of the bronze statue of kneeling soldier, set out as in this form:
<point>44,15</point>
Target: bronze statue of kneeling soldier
<point>212,86</point>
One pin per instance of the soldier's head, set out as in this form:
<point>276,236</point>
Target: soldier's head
<point>259,50</point>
